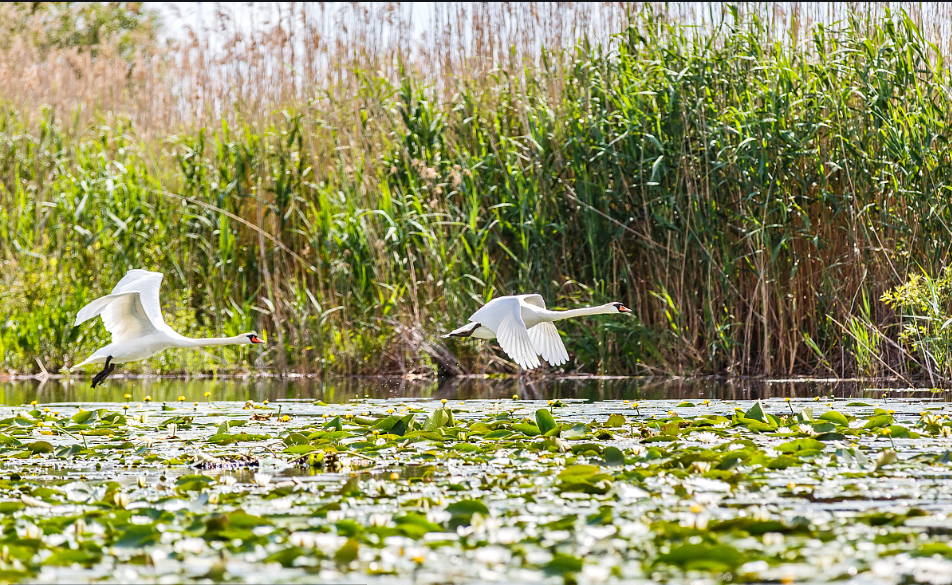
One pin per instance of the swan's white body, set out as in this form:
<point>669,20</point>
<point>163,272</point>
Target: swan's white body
<point>133,315</point>
<point>524,327</point>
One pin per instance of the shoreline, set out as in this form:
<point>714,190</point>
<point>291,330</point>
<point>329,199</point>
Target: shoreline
<point>7,377</point>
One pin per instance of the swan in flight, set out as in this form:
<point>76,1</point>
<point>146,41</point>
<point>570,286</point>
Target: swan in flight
<point>132,314</point>
<point>524,327</point>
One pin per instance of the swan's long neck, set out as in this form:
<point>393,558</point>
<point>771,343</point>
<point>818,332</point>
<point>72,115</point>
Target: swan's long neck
<point>583,312</point>
<point>207,341</point>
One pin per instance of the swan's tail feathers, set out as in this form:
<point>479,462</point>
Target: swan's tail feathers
<point>464,331</point>
<point>93,359</point>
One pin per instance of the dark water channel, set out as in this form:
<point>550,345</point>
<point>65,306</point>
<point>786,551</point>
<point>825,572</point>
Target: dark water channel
<point>342,390</point>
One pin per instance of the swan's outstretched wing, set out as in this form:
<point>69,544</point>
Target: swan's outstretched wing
<point>514,340</point>
<point>123,315</point>
<point>132,310</point>
<point>547,342</point>
<point>147,284</point>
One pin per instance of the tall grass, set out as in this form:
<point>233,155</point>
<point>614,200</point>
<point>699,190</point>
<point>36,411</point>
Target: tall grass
<point>744,185</point>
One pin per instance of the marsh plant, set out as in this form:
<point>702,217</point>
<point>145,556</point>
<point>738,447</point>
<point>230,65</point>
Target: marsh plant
<point>924,305</point>
<point>738,184</point>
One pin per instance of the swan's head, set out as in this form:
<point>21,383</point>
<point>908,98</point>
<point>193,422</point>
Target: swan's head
<point>621,308</point>
<point>253,337</point>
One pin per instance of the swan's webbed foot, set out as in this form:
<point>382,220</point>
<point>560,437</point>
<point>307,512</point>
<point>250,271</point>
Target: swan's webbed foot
<point>107,369</point>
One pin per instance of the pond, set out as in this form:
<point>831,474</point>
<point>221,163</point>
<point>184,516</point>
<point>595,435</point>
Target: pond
<point>476,480</point>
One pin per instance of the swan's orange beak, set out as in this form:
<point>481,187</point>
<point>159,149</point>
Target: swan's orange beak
<point>256,339</point>
<point>623,309</point>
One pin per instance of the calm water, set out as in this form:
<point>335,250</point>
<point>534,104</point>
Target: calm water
<point>342,390</point>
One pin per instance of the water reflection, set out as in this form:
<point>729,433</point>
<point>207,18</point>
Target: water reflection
<point>341,390</point>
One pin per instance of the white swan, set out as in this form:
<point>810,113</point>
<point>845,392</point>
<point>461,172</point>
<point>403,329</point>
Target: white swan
<point>134,317</point>
<point>524,327</point>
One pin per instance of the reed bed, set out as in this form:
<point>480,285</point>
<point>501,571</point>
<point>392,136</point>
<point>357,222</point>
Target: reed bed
<point>750,182</point>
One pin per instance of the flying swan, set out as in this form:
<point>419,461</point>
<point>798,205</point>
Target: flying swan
<point>524,327</point>
<point>132,314</point>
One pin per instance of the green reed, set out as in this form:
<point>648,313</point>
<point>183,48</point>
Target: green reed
<point>741,194</point>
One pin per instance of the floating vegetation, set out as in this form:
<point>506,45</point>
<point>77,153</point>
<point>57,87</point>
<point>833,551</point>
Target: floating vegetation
<point>505,490</point>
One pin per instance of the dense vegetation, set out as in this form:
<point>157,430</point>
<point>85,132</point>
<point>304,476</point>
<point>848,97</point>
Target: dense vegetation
<point>751,199</point>
<point>467,491</point>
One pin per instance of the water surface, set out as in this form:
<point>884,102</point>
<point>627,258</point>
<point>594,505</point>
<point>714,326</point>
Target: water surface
<point>342,390</point>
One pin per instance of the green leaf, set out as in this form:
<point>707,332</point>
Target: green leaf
<point>704,557</point>
<point>830,437</point>
<point>295,439</point>
<point>461,512</point>
<point>577,432</point>
<point>562,564</point>
<point>527,429</point>
<point>756,412</point>
<point>415,526</point>
<point>138,535</point>
<point>801,445</point>
<point>66,557</point>
<point>824,427</point>
<point>437,419</point>
<point>334,424</point>
<point>300,449</point>
<point>880,420</point>
<point>467,508</point>
<point>186,479</point>
<point>83,416</point>
<point>8,441</point>
<point>836,418</point>
<point>615,421</point>
<point>347,553</point>
<point>579,473</point>
<point>11,506</point>
<point>545,421</point>
<point>614,456</point>
<point>39,447</point>
<point>900,432</point>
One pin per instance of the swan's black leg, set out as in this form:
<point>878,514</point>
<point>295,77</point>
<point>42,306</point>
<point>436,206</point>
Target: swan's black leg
<point>107,369</point>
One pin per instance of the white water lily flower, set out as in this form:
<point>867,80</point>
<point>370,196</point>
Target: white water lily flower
<point>806,429</point>
<point>638,450</point>
<point>227,480</point>
<point>702,466</point>
<point>193,545</point>
<point>691,520</point>
<point>933,570</point>
<point>261,479</point>
<point>600,532</point>
<point>705,437</point>
<point>30,530</point>
<point>753,567</point>
<point>509,535</point>
<point>380,519</point>
<point>492,555</point>
<point>303,539</point>
<point>760,513</point>
<point>633,529</point>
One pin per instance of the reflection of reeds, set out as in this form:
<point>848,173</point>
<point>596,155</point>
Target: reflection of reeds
<point>353,191</point>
